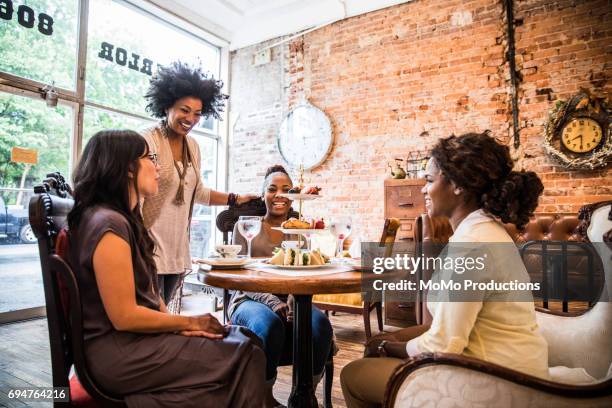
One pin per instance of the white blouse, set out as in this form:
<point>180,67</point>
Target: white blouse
<point>501,332</point>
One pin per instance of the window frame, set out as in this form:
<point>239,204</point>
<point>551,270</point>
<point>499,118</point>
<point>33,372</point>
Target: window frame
<point>14,84</point>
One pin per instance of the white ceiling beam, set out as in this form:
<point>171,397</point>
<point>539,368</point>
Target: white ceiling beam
<point>196,16</point>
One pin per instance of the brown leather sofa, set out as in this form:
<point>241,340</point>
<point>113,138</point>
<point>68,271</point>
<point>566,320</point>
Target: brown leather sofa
<point>542,228</point>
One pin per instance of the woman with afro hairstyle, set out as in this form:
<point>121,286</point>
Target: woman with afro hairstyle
<point>180,96</point>
<point>469,180</point>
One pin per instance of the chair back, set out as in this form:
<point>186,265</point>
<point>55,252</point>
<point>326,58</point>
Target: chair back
<point>226,220</point>
<point>48,211</point>
<point>430,236</point>
<point>387,239</point>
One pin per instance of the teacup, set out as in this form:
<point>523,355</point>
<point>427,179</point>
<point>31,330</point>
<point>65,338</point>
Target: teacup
<point>292,244</point>
<point>228,251</point>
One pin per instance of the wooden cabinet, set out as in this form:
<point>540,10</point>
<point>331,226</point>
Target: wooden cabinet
<point>403,200</point>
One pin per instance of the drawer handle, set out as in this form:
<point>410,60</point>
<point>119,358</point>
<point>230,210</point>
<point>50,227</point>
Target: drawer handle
<point>406,204</point>
<point>406,239</point>
<point>401,306</point>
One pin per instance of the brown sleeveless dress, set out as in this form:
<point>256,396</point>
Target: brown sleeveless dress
<point>164,369</point>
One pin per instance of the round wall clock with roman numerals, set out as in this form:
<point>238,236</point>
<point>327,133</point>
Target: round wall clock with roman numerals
<point>578,132</point>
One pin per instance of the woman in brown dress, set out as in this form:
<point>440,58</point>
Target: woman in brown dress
<point>134,347</point>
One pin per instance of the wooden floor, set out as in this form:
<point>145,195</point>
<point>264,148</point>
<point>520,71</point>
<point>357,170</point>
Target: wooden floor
<point>25,360</point>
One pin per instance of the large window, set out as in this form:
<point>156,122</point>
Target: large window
<point>42,62</point>
<point>29,126</point>
<point>124,48</point>
<point>38,40</point>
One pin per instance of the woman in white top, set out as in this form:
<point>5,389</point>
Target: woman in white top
<point>180,96</point>
<point>469,180</point>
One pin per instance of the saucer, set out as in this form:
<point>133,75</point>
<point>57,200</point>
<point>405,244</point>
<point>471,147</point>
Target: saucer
<point>225,262</point>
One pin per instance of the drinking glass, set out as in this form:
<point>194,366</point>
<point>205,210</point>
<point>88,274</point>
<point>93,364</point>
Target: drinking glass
<point>340,228</point>
<point>249,227</point>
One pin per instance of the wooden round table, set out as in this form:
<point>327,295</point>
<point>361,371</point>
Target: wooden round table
<point>302,287</point>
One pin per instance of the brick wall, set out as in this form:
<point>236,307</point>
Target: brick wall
<point>395,80</point>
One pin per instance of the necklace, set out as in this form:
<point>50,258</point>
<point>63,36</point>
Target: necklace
<point>179,198</point>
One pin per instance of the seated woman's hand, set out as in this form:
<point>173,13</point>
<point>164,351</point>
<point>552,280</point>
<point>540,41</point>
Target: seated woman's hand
<point>282,309</point>
<point>285,310</point>
<point>395,349</point>
<point>205,326</point>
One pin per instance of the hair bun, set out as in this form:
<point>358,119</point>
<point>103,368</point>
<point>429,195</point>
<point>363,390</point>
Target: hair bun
<point>514,198</point>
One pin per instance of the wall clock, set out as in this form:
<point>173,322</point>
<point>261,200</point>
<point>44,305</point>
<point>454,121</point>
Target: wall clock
<point>305,137</point>
<point>581,135</point>
<point>578,132</point>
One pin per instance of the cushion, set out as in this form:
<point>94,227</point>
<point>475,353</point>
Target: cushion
<point>79,397</point>
<point>567,375</point>
<point>345,299</point>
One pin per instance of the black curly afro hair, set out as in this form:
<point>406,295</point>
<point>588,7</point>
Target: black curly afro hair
<point>178,80</point>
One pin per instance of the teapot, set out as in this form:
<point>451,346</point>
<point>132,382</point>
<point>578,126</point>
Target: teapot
<point>396,170</point>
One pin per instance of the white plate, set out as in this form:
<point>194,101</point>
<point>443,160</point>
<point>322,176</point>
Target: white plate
<point>303,197</point>
<point>301,231</point>
<point>225,261</point>
<point>327,265</point>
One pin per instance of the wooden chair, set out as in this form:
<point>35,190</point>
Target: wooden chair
<point>226,220</point>
<point>430,235</point>
<point>356,302</point>
<point>48,209</point>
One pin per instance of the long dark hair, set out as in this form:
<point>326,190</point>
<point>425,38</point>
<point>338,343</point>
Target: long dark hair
<point>101,178</point>
<point>483,168</point>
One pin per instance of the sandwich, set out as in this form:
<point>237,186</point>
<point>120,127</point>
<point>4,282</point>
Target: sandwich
<point>296,257</point>
<point>278,258</point>
<point>291,256</point>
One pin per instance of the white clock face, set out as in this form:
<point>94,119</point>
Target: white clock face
<point>305,137</point>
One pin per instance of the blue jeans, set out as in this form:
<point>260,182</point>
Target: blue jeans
<point>277,335</point>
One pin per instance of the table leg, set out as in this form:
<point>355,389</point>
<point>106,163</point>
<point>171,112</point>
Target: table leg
<point>302,390</point>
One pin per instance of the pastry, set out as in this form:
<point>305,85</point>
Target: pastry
<point>294,223</point>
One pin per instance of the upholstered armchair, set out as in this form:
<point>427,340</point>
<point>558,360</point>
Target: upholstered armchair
<point>575,341</point>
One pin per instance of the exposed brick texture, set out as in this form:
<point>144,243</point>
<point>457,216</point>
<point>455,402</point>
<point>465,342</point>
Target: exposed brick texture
<point>395,80</point>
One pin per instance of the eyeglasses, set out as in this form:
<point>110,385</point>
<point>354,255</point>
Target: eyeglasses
<point>153,158</point>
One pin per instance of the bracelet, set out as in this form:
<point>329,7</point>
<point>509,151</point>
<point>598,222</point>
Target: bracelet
<point>381,349</point>
<point>232,199</point>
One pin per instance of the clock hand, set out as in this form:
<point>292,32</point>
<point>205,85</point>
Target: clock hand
<point>579,136</point>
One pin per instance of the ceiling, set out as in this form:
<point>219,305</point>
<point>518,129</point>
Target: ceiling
<point>246,22</point>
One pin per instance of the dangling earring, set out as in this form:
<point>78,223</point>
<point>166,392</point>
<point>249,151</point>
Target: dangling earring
<point>458,191</point>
